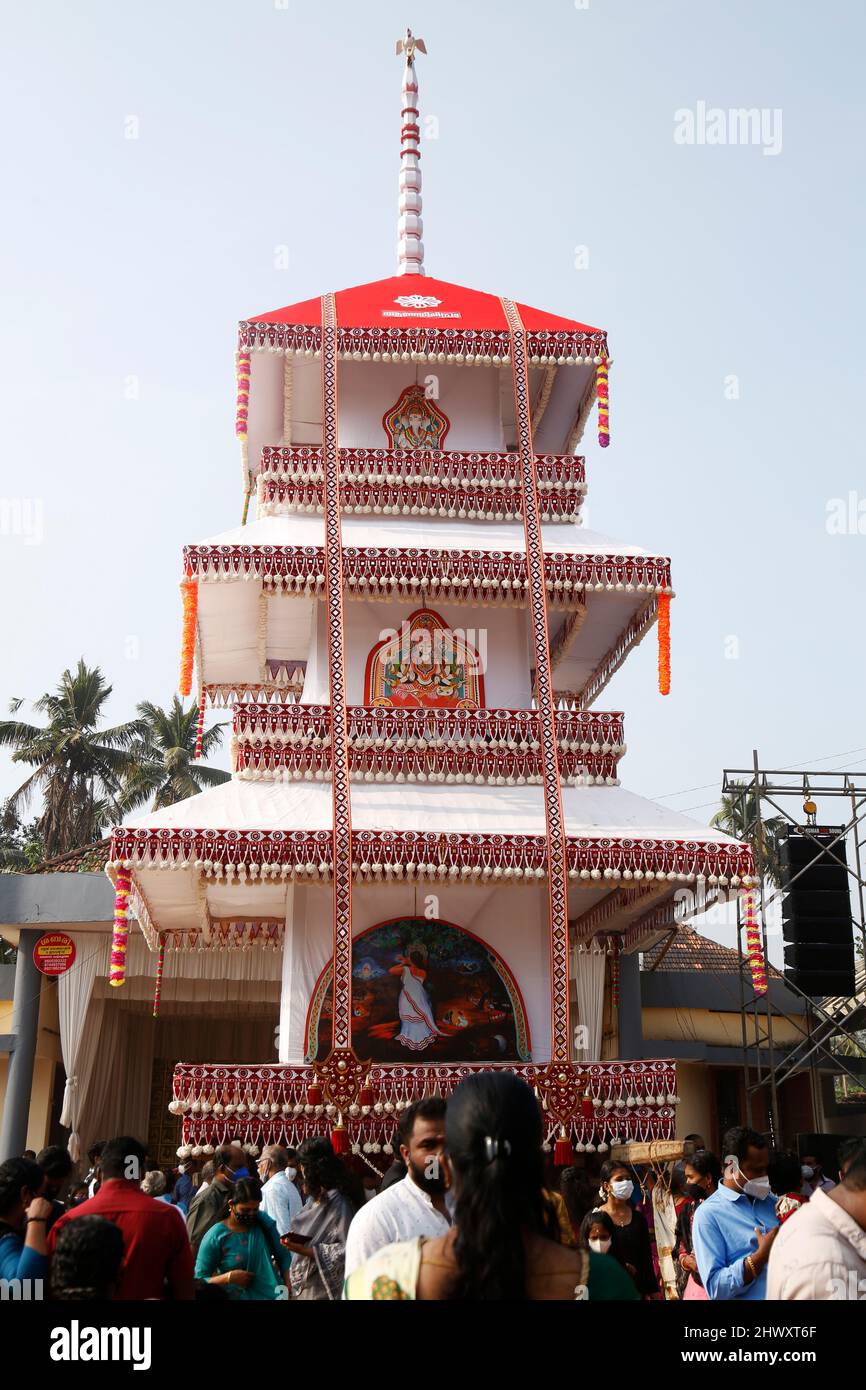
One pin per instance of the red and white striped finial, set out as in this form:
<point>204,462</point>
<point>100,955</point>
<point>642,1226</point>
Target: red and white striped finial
<point>410,248</point>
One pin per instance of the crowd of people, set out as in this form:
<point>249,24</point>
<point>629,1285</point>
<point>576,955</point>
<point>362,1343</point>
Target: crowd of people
<point>470,1209</point>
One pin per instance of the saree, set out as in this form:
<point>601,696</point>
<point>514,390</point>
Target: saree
<point>391,1276</point>
<point>325,1224</point>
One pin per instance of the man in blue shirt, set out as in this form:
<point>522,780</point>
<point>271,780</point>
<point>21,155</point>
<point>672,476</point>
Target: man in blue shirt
<point>734,1229</point>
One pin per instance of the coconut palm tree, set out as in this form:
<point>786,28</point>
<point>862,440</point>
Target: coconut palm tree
<point>737,816</point>
<point>164,768</point>
<point>78,767</point>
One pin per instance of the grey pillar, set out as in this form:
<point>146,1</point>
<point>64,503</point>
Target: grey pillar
<point>25,1026</point>
<point>630,1021</point>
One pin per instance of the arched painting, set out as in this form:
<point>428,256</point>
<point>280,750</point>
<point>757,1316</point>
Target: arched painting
<point>424,665</point>
<point>424,991</point>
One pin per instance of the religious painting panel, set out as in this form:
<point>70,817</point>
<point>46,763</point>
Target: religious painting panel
<point>425,990</point>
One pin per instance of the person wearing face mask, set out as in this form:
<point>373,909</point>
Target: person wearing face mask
<point>241,1251</point>
<point>701,1176</point>
<point>812,1171</point>
<point>630,1241</point>
<point>281,1200</point>
<point>734,1229</point>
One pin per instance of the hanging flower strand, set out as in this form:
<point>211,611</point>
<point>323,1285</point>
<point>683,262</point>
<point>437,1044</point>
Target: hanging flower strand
<point>664,610</point>
<point>160,962</point>
<point>754,944</point>
<point>242,366</point>
<point>199,732</point>
<point>189,598</point>
<point>602,390</point>
<point>120,937</point>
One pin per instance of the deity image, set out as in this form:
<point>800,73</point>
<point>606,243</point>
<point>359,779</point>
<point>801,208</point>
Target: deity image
<point>424,665</point>
<point>415,422</point>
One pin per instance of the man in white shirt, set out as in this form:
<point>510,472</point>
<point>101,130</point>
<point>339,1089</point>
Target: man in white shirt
<point>820,1252</point>
<point>415,1206</point>
<point>281,1200</point>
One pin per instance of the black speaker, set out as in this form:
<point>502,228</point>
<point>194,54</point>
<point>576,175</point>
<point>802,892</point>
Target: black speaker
<point>816,912</point>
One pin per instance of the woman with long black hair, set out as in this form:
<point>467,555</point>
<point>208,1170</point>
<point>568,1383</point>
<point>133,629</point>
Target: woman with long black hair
<point>317,1239</point>
<point>505,1240</point>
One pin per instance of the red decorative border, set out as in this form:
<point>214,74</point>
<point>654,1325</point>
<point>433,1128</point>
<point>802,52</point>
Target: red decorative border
<point>302,568</point>
<point>557,874</point>
<point>268,1104</point>
<point>285,762</point>
<point>422,344</point>
<point>362,499</point>
<point>417,854</point>
<point>341,797</point>
<point>446,467</point>
<point>594,731</point>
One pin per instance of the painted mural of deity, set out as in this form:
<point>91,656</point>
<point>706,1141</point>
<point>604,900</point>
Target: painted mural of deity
<point>424,665</point>
<point>415,422</point>
<point>428,988</point>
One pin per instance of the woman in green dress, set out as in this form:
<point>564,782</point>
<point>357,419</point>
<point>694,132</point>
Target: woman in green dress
<point>243,1252</point>
<point>504,1243</point>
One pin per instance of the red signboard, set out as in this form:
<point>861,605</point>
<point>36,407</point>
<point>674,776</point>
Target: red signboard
<point>54,953</point>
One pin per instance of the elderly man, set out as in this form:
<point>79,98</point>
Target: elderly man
<point>734,1229</point>
<point>820,1254</point>
<point>281,1200</point>
<point>416,1205</point>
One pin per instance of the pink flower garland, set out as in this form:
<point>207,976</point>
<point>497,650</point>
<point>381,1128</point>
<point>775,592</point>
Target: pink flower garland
<point>120,938</point>
<point>243,403</point>
<point>754,945</point>
<point>601,386</point>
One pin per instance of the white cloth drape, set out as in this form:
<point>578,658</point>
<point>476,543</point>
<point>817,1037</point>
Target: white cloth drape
<point>588,967</point>
<point>78,1044</point>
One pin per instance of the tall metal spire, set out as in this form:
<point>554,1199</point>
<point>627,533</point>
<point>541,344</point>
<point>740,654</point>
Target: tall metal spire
<point>410,248</point>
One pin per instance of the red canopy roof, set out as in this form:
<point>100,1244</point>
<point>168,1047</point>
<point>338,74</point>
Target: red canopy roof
<point>416,311</point>
<point>379,304</point>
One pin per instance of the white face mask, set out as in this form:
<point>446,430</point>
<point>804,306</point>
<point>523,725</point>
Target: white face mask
<point>622,1188</point>
<point>600,1247</point>
<point>291,1174</point>
<point>755,1187</point>
<point>807,1171</point>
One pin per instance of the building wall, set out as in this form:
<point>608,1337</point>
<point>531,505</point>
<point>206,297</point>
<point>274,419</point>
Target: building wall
<point>48,1056</point>
<point>695,1112</point>
<point>709,1026</point>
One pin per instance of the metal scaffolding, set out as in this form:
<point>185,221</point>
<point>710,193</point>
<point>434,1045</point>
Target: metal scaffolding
<point>749,790</point>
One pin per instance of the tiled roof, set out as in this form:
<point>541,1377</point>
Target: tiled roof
<point>689,951</point>
<point>89,859</point>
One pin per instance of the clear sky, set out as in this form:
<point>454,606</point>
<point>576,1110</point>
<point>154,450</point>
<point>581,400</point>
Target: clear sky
<point>728,275</point>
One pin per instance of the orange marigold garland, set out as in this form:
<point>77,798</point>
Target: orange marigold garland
<point>754,945</point>
<point>157,989</point>
<point>664,608</point>
<point>602,391</point>
<point>120,937</point>
<point>189,597</point>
